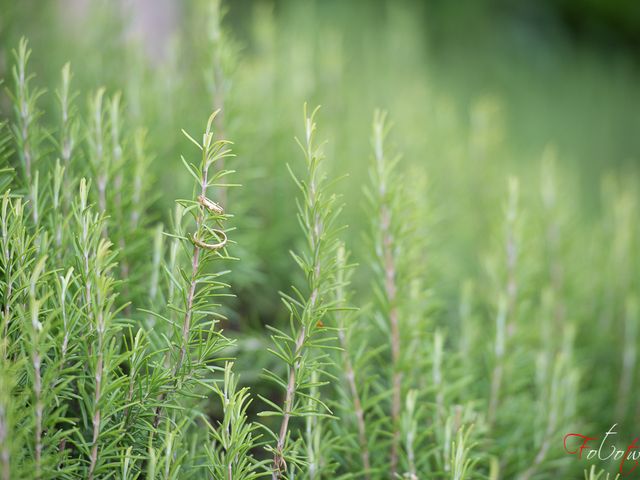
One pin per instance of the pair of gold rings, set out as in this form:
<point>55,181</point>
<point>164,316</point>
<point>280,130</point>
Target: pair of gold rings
<point>216,209</point>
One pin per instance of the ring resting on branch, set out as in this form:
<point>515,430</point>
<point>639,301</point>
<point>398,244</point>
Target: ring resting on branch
<point>215,209</point>
<point>210,205</point>
<point>210,246</point>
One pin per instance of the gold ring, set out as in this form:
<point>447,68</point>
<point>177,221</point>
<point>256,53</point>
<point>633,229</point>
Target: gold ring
<point>210,205</point>
<point>210,246</point>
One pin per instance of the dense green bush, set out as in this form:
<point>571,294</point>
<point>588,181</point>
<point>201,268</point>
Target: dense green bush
<point>438,303</point>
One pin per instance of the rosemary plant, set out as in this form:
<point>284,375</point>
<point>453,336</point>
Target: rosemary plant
<point>195,338</point>
<point>302,348</point>
<point>386,204</point>
<point>134,344</point>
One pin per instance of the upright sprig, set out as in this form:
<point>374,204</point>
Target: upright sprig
<point>18,434</point>
<point>196,334</point>
<point>387,236</point>
<point>461,464</point>
<point>18,253</point>
<point>97,142</point>
<point>35,309</point>
<point>130,200</point>
<point>6,170</point>
<point>29,339</point>
<point>557,377</point>
<point>68,122</point>
<point>594,474</point>
<point>26,129</point>
<point>63,181</point>
<point>507,298</point>
<point>346,326</point>
<point>7,415</point>
<point>301,348</point>
<point>230,452</point>
<point>141,183</point>
<point>95,261</point>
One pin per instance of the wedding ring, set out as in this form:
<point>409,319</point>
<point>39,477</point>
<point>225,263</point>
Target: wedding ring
<point>210,246</point>
<point>210,205</point>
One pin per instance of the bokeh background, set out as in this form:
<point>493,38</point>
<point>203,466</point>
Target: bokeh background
<point>559,71</point>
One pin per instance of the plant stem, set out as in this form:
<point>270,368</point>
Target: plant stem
<point>66,145</point>
<point>390,287</point>
<point>195,265</point>
<point>350,373</point>
<point>37,387</point>
<point>438,343</point>
<point>505,325</point>
<point>359,412</point>
<point>65,326</point>
<point>98,392</point>
<point>25,105</point>
<point>390,291</point>
<point>34,309</point>
<point>315,231</point>
<point>552,421</point>
<point>6,312</point>
<point>279,463</point>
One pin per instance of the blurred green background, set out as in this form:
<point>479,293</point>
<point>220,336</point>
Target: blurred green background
<point>562,71</point>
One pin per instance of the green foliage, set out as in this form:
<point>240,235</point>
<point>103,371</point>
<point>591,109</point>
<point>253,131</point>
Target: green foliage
<point>156,322</point>
<point>302,349</point>
<point>230,451</point>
